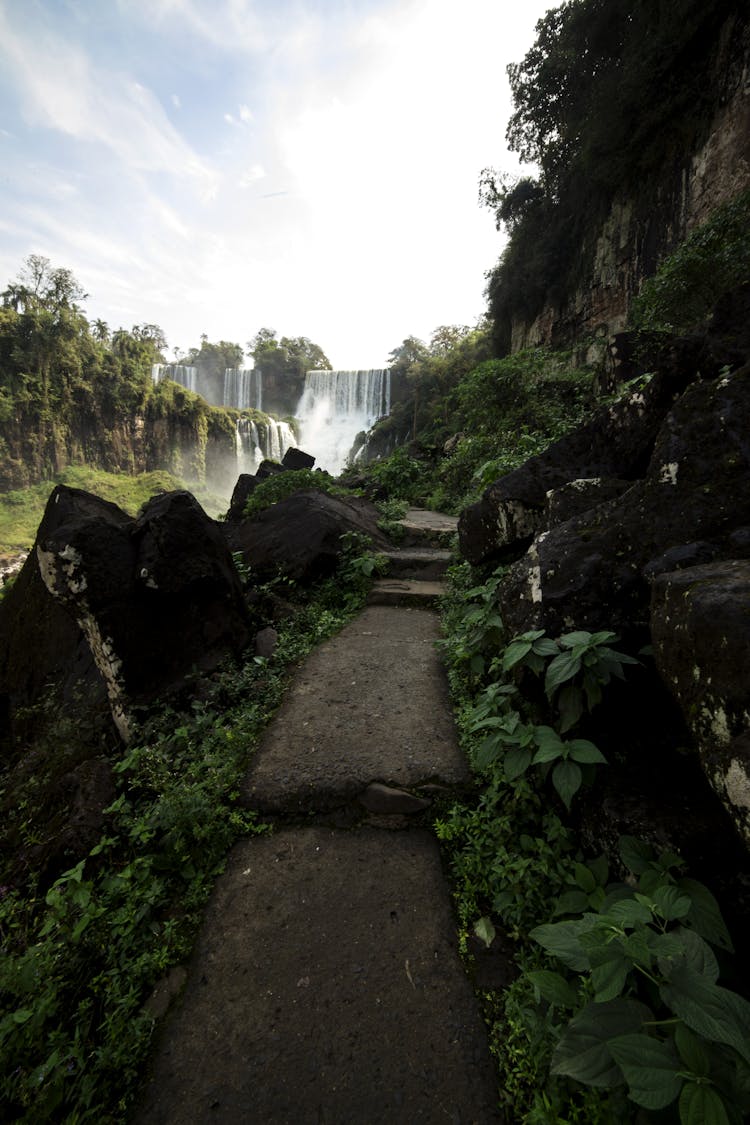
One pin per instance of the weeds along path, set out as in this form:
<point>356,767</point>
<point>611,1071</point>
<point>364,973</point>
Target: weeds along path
<point>326,985</point>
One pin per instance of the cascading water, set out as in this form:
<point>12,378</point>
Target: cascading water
<point>179,373</point>
<point>260,441</point>
<point>243,388</point>
<point>335,407</point>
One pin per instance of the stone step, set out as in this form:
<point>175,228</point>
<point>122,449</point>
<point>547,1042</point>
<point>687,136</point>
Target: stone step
<point>405,592</point>
<point>424,528</point>
<point>371,704</point>
<point>424,563</point>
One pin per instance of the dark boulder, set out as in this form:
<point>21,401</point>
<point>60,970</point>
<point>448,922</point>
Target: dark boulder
<point>297,459</point>
<point>617,442</point>
<point>581,496</point>
<point>588,573</point>
<point>243,490</point>
<point>268,469</point>
<point>149,600</point>
<point>700,624</point>
<point>301,536</point>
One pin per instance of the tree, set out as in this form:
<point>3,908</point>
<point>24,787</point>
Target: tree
<point>290,357</point>
<point>49,288</point>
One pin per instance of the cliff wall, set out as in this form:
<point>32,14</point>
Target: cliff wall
<point>639,232</point>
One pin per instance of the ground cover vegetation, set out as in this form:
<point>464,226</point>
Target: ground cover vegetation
<point>617,1007</point>
<point>466,419</point>
<point>82,951</point>
<point>21,510</point>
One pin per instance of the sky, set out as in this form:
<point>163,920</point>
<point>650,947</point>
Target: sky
<point>218,166</point>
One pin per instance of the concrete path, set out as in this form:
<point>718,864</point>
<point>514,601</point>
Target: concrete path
<point>326,986</point>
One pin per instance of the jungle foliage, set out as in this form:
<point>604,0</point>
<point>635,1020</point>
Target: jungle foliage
<point>494,414</point>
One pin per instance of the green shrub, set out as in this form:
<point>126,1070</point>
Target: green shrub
<point>710,262</point>
<point>281,485</point>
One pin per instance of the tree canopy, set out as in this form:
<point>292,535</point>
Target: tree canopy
<point>289,356</point>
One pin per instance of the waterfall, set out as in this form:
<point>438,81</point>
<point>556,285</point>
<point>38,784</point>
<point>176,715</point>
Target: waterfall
<point>256,442</point>
<point>243,388</point>
<point>335,407</point>
<point>186,376</point>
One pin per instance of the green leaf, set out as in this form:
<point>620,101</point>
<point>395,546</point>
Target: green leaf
<point>635,854</point>
<point>563,668</point>
<point>554,988</point>
<point>608,978</point>
<point>697,953</point>
<point>546,647</point>
<point>651,1069</point>
<point>514,653</point>
<point>485,931</point>
<point>547,737</point>
<point>600,869</point>
<point>570,706</point>
<point>704,914</point>
<point>572,902</point>
<point>713,1012</point>
<point>516,762</point>
<point>583,1050</point>
<point>691,1051</point>
<point>566,778</point>
<point>488,752</point>
<point>670,904</point>
<point>580,639</point>
<point>563,940</point>
<point>701,1105</point>
<point>584,877</point>
<point>581,750</point>
<point>22,1015</point>
<point>629,912</point>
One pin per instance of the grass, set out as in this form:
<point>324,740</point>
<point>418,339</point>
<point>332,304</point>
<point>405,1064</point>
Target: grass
<point>21,511</point>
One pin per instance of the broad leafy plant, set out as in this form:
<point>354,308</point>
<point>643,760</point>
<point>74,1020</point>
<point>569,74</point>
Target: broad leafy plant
<point>579,665</point>
<point>648,1012</point>
<point>576,667</point>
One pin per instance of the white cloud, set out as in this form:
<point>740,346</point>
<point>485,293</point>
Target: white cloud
<point>342,202</point>
<point>252,176</point>
<point>232,25</point>
<point>62,90</point>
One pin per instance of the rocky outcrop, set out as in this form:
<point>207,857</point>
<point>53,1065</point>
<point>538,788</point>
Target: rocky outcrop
<point>616,444</point>
<point>592,572</point>
<point>662,556</point>
<point>302,537</point>
<point>700,624</point>
<point>638,233</point>
<point>145,602</point>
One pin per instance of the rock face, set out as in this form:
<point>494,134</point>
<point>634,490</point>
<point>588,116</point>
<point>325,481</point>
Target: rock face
<point>148,600</point>
<point>616,444</point>
<point>659,554</point>
<point>592,571</point>
<point>700,623</point>
<point>639,232</point>
<point>301,536</point>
